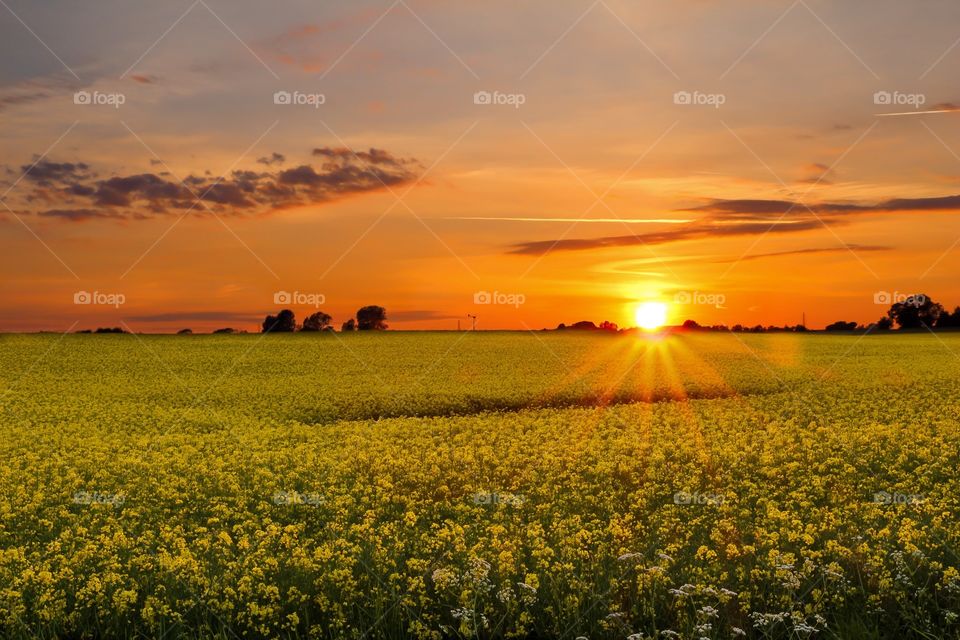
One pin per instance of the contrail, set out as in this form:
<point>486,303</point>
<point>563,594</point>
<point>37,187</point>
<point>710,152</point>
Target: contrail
<point>916,113</point>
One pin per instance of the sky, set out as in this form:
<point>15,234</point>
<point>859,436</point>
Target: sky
<point>199,164</point>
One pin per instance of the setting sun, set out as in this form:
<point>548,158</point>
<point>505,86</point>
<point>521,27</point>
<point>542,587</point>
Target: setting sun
<point>651,315</point>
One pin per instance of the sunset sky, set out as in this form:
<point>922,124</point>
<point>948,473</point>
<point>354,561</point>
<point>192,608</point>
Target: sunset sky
<point>144,154</point>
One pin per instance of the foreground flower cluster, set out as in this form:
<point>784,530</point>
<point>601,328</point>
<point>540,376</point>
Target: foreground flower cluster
<point>693,487</point>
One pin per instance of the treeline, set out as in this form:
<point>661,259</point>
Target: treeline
<point>918,311</point>
<point>369,318</point>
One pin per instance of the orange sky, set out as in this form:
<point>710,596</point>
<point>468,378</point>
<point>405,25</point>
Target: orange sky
<point>726,158</point>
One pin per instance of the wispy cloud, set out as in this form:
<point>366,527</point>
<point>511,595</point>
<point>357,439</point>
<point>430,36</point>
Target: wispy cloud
<point>577,220</point>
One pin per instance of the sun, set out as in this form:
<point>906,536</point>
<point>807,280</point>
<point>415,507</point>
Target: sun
<point>651,315</point>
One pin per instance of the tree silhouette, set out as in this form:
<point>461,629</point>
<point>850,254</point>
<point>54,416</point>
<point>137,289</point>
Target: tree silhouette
<point>949,320</point>
<point>916,311</point>
<point>318,321</point>
<point>841,325</point>
<point>349,325</point>
<point>283,322</point>
<point>372,318</point>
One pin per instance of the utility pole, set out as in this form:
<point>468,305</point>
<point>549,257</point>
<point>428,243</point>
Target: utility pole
<point>474,318</point>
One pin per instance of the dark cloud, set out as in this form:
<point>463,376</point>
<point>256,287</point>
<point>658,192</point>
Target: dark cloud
<point>940,203</point>
<point>724,218</point>
<point>373,156</point>
<point>71,190</point>
<point>690,231</point>
<point>744,208</point>
<point>46,173</point>
<point>274,158</point>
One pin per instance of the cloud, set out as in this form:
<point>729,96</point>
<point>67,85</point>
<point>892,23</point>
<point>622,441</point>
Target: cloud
<point>274,158</point>
<point>817,174</point>
<point>144,79</point>
<point>313,47</point>
<point>752,207</point>
<point>70,190</point>
<point>46,173</point>
<point>810,250</point>
<point>725,218</point>
<point>80,215</point>
<point>692,231</point>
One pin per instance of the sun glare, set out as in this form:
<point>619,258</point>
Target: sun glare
<point>651,315</point>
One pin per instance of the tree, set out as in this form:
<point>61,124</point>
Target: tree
<point>841,325</point>
<point>691,325</point>
<point>949,320</point>
<point>372,318</point>
<point>606,325</point>
<point>283,322</point>
<point>225,330</point>
<point>349,325</point>
<point>318,321</point>
<point>916,311</point>
<point>185,332</point>
<point>884,324</point>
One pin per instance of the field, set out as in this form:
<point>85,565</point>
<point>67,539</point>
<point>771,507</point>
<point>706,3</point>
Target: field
<point>480,485</point>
